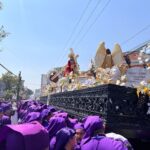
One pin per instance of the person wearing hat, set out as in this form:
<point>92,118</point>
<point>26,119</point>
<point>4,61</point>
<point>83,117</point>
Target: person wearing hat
<point>3,118</point>
<point>45,115</point>
<point>80,131</point>
<point>32,116</point>
<point>65,139</point>
<point>62,114</point>
<point>55,124</point>
<point>71,122</point>
<point>95,139</point>
<point>7,109</point>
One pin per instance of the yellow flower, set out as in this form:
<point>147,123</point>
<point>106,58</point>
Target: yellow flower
<point>145,90</point>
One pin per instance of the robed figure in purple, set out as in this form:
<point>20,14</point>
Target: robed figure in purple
<point>28,136</point>
<point>95,138</point>
<point>55,124</point>
<point>3,118</point>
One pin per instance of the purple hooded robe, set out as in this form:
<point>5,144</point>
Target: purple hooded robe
<point>29,136</point>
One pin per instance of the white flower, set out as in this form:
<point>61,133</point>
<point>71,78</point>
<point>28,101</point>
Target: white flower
<point>140,62</point>
<point>147,60</point>
<point>117,82</point>
<point>143,83</point>
<point>142,51</point>
<point>148,68</point>
<point>139,58</point>
<point>123,78</point>
<point>123,84</point>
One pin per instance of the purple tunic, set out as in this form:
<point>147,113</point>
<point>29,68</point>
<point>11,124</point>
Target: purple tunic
<point>5,120</point>
<point>6,106</point>
<point>55,124</point>
<point>79,125</point>
<point>63,115</point>
<point>29,136</point>
<point>71,122</point>
<point>32,117</point>
<point>52,109</point>
<point>103,143</point>
<point>44,113</point>
<point>62,138</point>
<point>92,124</point>
<point>52,143</point>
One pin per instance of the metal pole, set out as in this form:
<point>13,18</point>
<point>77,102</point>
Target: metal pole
<point>18,85</point>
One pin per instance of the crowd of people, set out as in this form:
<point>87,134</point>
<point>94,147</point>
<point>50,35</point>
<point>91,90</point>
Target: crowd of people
<point>42,127</point>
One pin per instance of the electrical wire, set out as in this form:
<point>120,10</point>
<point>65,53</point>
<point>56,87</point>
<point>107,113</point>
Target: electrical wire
<point>89,17</point>
<point>73,31</point>
<point>135,35</point>
<point>92,24</point>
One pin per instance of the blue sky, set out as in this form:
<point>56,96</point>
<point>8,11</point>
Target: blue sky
<point>39,30</point>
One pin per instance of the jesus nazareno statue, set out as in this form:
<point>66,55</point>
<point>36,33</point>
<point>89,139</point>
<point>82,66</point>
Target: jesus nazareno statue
<point>72,65</point>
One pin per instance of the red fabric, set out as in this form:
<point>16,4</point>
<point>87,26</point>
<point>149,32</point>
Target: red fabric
<point>68,68</point>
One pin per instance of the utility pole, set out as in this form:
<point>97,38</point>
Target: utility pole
<point>18,85</point>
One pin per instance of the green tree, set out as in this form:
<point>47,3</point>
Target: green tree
<point>8,79</point>
<point>10,82</point>
<point>27,93</point>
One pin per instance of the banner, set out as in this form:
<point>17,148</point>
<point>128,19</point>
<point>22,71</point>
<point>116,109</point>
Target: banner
<point>136,74</point>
